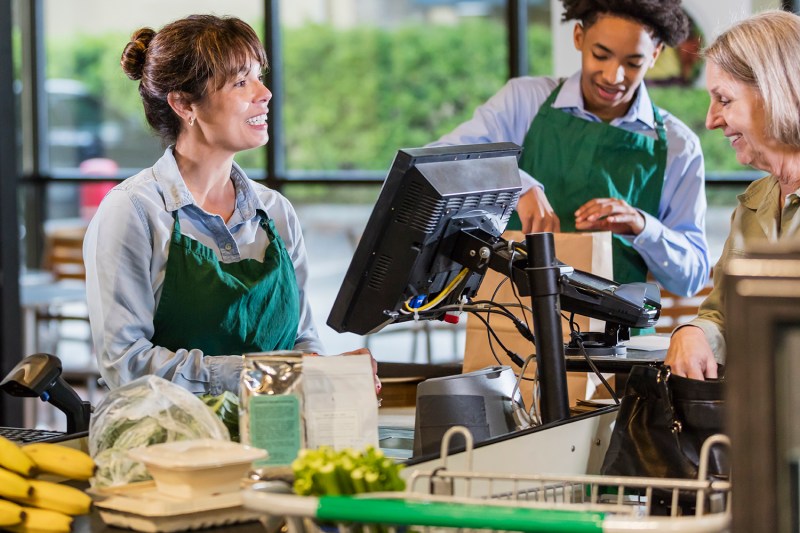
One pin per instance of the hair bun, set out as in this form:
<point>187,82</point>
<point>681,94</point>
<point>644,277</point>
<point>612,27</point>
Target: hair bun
<point>135,52</point>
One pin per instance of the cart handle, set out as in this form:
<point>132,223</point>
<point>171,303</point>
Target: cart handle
<point>398,511</point>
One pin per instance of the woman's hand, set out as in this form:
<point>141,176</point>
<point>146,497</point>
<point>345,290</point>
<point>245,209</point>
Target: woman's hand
<point>365,351</point>
<point>536,213</point>
<point>690,355</point>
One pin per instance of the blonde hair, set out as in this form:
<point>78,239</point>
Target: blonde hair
<point>764,51</point>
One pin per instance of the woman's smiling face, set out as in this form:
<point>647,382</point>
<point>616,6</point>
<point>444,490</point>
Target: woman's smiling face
<point>738,110</point>
<point>615,55</point>
<point>234,116</point>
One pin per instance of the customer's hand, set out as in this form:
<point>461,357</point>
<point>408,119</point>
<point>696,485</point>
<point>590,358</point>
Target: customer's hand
<point>365,351</point>
<point>690,355</point>
<point>536,213</point>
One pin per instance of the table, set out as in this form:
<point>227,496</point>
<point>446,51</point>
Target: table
<point>615,364</point>
<point>38,289</point>
<point>92,523</point>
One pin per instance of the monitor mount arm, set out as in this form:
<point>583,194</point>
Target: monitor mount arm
<point>536,276</point>
<point>549,283</point>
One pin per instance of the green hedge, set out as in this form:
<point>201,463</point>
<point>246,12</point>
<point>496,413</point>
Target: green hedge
<point>352,97</point>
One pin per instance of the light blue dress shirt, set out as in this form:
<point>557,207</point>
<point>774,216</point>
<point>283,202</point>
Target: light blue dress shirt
<point>126,249</point>
<point>673,244</point>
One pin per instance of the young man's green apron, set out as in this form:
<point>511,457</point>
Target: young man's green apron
<point>227,308</point>
<point>577,160</point>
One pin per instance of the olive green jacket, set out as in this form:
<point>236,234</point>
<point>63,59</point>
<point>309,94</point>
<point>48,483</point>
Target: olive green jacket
<point>757,218</point>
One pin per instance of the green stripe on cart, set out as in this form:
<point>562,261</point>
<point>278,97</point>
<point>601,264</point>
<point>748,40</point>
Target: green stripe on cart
<point>420,513</point>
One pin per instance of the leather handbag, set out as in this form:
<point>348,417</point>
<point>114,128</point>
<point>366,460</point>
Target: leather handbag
<point>662,423</point>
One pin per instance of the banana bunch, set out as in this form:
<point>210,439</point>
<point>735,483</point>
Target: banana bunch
<point>33,505</point>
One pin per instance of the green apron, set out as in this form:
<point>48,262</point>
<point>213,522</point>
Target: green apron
<point>577,160</point>
<point>227,308</point>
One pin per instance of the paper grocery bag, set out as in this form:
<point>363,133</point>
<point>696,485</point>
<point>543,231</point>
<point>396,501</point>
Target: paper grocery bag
<point>590,252</point>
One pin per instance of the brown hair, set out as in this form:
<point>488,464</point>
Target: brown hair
<point>184,56</point>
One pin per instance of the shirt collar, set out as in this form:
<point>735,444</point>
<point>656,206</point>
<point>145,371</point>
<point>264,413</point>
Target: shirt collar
<point>754,196</point>
<point>641,109</point>
<point>177,195</point>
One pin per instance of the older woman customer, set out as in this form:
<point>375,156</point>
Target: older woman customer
<point>754,85</point>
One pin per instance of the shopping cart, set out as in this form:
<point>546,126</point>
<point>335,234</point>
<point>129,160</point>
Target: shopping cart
<point>441,498</point>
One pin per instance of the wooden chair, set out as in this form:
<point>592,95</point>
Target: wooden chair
<point>63,253</point>
<point>677,310</point>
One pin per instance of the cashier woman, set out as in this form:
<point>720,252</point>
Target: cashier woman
<point>190,262</point>
<point>603,156</point>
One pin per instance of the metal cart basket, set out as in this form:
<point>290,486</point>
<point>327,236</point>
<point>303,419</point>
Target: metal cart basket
<point>442,499</point>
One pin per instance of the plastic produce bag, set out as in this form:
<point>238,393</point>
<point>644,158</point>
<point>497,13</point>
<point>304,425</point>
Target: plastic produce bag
<point>146,411</point>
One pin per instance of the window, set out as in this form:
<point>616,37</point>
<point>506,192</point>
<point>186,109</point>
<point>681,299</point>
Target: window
<point>93,109</point>
<point>362,79</point>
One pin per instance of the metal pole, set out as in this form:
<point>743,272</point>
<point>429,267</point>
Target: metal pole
<point>276,165</point>
<point>517,38</point>
<point>543,274</point>
<point>10,327</point>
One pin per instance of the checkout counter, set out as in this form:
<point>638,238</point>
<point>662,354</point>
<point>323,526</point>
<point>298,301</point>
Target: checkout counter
<point>539,449</point>
<point>562,444</point>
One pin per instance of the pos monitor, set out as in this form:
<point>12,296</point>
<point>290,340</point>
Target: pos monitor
<point>407,249</point>
<point>435,230</point>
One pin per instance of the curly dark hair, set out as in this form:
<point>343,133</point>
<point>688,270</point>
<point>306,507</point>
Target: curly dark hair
<point>666,19</point>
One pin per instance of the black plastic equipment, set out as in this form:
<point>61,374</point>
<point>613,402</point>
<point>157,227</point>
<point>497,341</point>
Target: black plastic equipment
<point>410,244</point>
<point>39,376</point>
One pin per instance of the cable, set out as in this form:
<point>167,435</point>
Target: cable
<point>522,418</point>
<point>521,327</point>
<point>516,359</point>
<point>575,334</point>
<point>489,330</point>
<point>442,294</point>
<point>504,305</point>
<point>534,412</point>
<point>514,288</point>
<point>482,307</point>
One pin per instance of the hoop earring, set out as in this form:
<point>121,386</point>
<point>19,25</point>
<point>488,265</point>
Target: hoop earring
<point>191,121</point>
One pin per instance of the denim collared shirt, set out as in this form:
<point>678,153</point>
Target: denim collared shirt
<point>126,249</point>
<point>673,244</point>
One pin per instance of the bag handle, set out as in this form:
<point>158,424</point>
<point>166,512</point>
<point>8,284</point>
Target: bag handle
<point>662,379</point>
